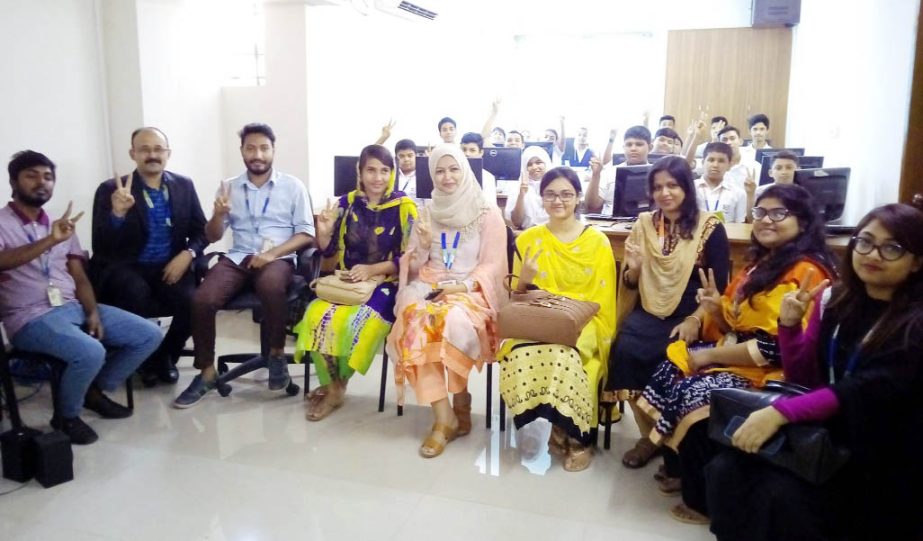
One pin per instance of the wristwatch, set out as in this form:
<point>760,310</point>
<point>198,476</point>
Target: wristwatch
<point>191,252</point>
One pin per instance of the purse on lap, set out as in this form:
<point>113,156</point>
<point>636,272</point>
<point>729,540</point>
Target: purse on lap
<point>804,449</point>
<point>334,289</point>
<point>541,316</point>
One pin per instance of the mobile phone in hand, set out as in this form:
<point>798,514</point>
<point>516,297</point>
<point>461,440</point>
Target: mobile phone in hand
<point>433,294</point>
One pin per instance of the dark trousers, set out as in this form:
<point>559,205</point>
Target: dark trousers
<point>225,280</point>
<point>140,289</point>
<point>695,452</point>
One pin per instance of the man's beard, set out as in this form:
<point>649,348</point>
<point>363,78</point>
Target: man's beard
<point>265,168</point>
<point>32,201</point>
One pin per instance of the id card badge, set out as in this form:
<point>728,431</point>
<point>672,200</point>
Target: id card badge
<point>55,298</point>
<point>267,245</point>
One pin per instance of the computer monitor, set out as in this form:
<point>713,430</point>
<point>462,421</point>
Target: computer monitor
<point>631,193</point>
<point>547,145</point>
<point>804,162</point>
<point>425,182</point>
<point>504,163</point>
<point>617,158</point>
<point>760,152</point>
<point>828,188</point>
<point>345,177</point>
<point>420,150</point>
<point>651,158</point>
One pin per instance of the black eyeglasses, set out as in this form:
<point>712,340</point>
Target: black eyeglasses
<point>565,197</point>
<point>776,215</point>
<point>889,251</point>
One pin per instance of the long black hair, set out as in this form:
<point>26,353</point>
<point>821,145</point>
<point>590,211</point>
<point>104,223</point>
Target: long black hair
<point>810,243</point>
<point>904,316</point>
<point>678,168</point>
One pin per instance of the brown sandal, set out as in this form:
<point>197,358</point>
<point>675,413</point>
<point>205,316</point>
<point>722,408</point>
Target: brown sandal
<point>579,456</point>
<point>557,442</point>
<point>461,404</point>
<point>640,454</point>
<point>432,446</point>
<point>684,513</point>
<point>670,486</point>
<point>322,402</point>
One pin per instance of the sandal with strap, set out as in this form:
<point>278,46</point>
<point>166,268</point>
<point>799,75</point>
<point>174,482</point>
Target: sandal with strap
<point>461,404</point>
<point>640,454</point>
<point>670,486</point>
<point>433,446</point>
<point>557,442</point>
<point>686,514</point>
<point>579,456</point>
<point>322,402</point>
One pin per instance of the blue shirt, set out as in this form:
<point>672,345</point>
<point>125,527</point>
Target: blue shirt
<point>159,226</point>
<point>277,210</point>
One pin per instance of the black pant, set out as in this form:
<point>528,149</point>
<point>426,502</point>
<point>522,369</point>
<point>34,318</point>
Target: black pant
<point>695,452</point>
<point>140,289</point>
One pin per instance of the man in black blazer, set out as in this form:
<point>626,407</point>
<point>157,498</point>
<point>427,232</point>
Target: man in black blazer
<point>148,227</point>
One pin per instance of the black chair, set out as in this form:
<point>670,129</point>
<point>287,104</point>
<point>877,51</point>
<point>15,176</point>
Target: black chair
<point>298,294</point>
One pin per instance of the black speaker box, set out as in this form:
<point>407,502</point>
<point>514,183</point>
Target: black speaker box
<point>54,459</point>
<point>18,458</point>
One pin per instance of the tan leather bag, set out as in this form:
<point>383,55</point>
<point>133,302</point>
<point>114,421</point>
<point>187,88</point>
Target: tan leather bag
<point>543,317</point>
<point>335,289</point>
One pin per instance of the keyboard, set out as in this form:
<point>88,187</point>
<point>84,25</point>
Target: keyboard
<point>610,218</point>
<point>838,229</point>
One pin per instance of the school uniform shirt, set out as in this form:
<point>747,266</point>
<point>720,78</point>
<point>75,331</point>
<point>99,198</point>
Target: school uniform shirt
<point>407,183</point>
<point>737,174</point>
<point>725,198</point>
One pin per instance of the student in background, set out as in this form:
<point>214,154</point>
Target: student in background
<point>406,153</point>
<point>667,121</point>
<point>678,145</point>
<point>497,137</point>
<point>782,170</point>
<point>526,208</point>
<point>447,130</point>
<point>718,123</point>
<point>557,138</point>
<point>636,145</point>
<point>714,192</point>
<point>582,153</point>
<point>514,139</point>
<point>472,144</point>
<point>742,167</point>
<point>665,141</point>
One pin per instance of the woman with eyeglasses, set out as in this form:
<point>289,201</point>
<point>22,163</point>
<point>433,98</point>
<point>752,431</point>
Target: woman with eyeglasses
<point>861,355</point>
<point>657,294</point>
<point>551,381</point>
<point>788,251</point>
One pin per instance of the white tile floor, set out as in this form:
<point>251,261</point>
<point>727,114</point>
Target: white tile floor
<point>249,467</point>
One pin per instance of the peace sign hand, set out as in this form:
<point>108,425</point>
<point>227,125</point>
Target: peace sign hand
<point>63,227</point>
<point>529,266</point>
<point>326,218</point>
<point>795,303</point>
<point>596,166</point>
<point>634,255</point>
<point>386,129</point>
<point>223,201</point>
<point>708,295</point>
<point>424,229</point>
<point>750,182</point>
<point>122,199</point>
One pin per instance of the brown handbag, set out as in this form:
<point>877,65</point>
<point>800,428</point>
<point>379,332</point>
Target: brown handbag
<point>541,316</point>
<point>334,289</point>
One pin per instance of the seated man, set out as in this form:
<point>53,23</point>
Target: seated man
<point>271,217</point>
<point>406,153</point>
<point>581,154</point>
<point>498,137</point>
<point>558,141</point>
<point>718,123</point>
<point>142,253</point>
<point>667,121</point>
<point>472,144</point>
<point>636,145</point>
<point>447,130</point>
<point>47,304</point>
<point>665,141</point>
<point>714,192</point>
<point>782,170</point>
<point>514,139</point>
<point>743,167</point>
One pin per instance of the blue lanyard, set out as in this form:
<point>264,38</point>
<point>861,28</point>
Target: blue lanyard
<point>853,357</point>
<point>168,218</point>
<point>256,224</point>
<point>448,256</point>
<point>707,206</point>
<point>44,259</point>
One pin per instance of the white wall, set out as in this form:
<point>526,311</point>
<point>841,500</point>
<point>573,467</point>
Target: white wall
<point>51,96</point>
<point>850,92</point>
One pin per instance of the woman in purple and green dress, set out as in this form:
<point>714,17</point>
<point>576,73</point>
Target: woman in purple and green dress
<point>366,232</point>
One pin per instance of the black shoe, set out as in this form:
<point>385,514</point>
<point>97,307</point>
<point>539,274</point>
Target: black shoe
<point>278,372</point>
<point>79,432</point>
<point>166,370</point>
<point>148,376</point>
<point>104,406</point>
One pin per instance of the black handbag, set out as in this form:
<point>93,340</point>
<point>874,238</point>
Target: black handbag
<point>804,449</point>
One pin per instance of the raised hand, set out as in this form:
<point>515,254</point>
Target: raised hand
<point>223,201</point>
<point>708,295</point>
<point>63,227</point>
<point>596,166</point>
<point>326,219</point>
<point>613,134</point>
<point>122,199</point>
<point>795,303</point>
<point>750,182</point>
<point>529,266</point>
<point>424,228</point>
<point>495,106</point>
<point>386,129</point>
<point>634,255</point>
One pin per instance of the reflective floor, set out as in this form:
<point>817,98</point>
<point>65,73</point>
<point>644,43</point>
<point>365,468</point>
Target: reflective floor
<point>249,467</point>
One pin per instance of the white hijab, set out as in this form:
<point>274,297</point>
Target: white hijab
<point>461,208</point>
<point>534,209</point>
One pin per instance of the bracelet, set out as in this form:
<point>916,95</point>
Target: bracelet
<point>696,318</point>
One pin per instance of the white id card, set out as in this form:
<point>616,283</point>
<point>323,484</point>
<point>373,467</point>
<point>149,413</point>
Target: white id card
<point>267,245</point>
<point>54,296</point>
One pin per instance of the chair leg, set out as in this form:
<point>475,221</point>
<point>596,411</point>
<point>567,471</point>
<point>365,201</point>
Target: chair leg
<point>490,385</point>
<point>129,394</point>
<point>384,382</point>
<point>502,414</point>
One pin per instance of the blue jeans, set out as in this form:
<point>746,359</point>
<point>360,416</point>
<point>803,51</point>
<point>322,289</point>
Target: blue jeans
<point>127,341</point>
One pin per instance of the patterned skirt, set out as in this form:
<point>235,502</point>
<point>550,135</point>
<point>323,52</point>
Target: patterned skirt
<point>548,381</point>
